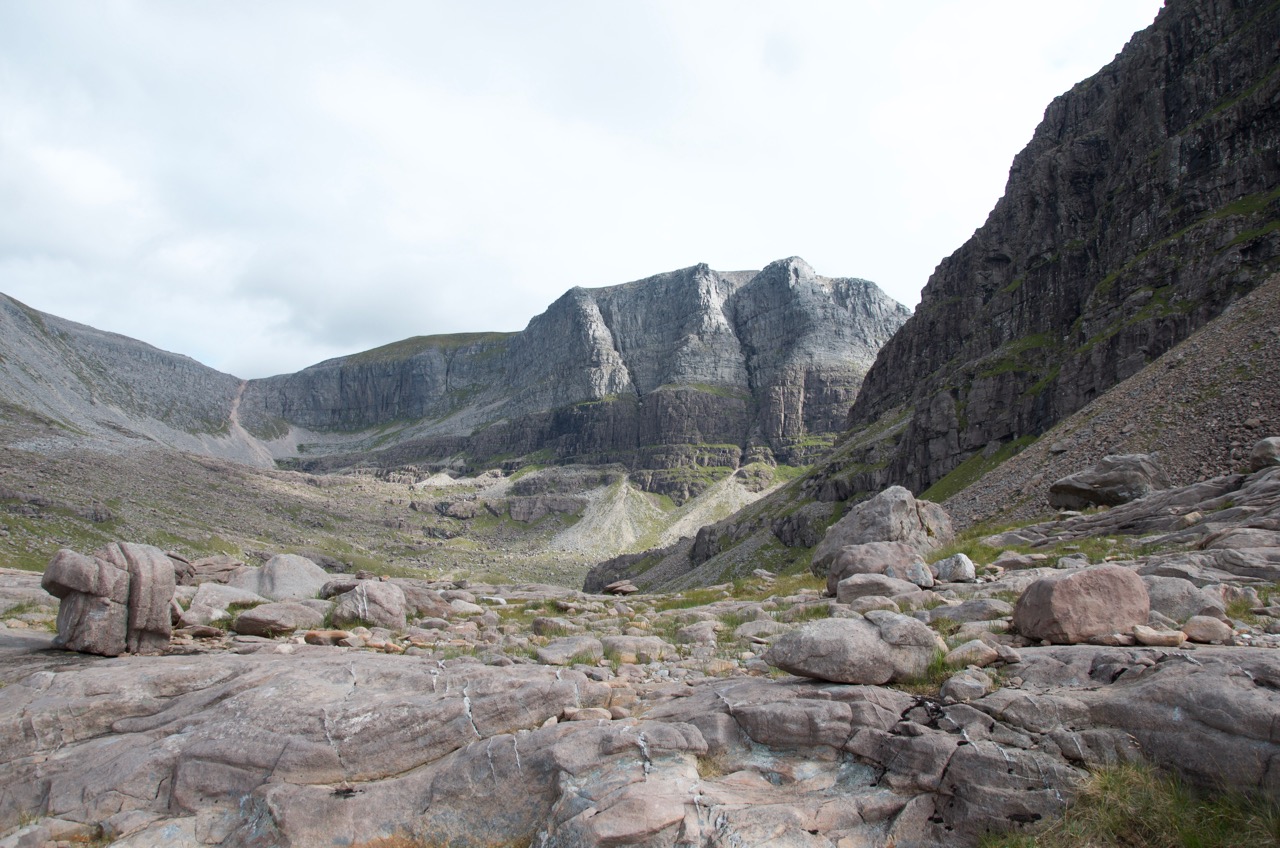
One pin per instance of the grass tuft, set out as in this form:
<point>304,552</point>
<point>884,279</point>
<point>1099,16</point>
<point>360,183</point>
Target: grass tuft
<point>929,684</point>
<point>1136,806</point>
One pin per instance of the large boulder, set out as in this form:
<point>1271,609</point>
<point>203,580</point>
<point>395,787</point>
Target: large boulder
<point>1113,481</point>
<point>857,586</point>
<point>1077,605</point>
<point>284,577</point>
<point>894,515</point>
<point>276,619</point>
<point>1265,454</point>
<point>93,617</point>
<point>880,647</point>
<point>570,649</point>
<point>639,649</point>
<point>211,601</point>
<point>420,599</point>
<point>869,558</point>
<point>1181,599</point>
<point>372,603</point>
<point>118,600</point>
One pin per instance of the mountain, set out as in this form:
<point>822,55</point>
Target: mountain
<point>690,368</point>
<point>671,398</point>
<point>68,381</point>
<point>1146,203</point>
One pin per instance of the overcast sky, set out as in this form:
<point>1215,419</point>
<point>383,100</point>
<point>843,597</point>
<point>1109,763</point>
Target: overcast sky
<point>263,185</point>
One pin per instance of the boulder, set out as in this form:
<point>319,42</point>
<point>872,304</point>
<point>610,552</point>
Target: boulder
<point>974,609</point>
<point>636,649</point>
<point>211,601</point>
<point>218,568</point>
<point>284,577</point>
<point>869,558</point>
<point>278,618</point>
<point>1208,630</point>
<point>957,568</point>
<point>699,633</point>
<point>93,617</point>
<point>570,649</point>
<point>372,603</point>
<point>1180,599</point>
<point>966,686</point>
<point>760,629</point>
<point>894,515</point>
<point>1158,638</point>
<point>1265,454</point>
<point>880,647</point>
<point>1113,481</point>
<point>118,600</point>
<point>1074,606</point>
<point>151,588</point>
<point>864,585</point>
<point>975,652</point>
<point>917,573</point>
<point>421,601</point>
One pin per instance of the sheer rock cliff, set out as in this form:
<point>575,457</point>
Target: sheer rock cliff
<point>1145,203</point>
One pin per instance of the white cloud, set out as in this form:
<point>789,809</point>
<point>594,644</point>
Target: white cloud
<point>262,186</point>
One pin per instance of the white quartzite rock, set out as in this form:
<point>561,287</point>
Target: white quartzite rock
<point>284,577</point>
<point>877,648</point>
<point>894,515</point>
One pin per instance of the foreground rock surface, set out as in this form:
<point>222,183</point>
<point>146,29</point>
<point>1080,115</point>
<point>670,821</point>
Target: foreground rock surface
<point>309,745</point>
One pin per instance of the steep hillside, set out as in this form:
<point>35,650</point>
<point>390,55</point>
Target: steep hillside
<point>112,391</point>
<point>1199,409</point>
<point>1147,200</point>
<point>693,368</point>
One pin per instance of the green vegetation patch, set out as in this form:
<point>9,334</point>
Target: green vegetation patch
<point>1011,355</point>
<point>730,392</point>
<point>972,470</point>
<point>928,684</point>
<point>1136,806</point>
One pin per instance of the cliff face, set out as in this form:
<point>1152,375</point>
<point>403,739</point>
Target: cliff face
<point>1145,203</point>
<point>693,357</point>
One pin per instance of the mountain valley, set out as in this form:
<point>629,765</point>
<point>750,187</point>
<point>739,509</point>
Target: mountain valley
<point>713,559</point>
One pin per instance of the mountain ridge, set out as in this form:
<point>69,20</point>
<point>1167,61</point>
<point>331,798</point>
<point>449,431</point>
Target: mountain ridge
<point>757,360</point>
